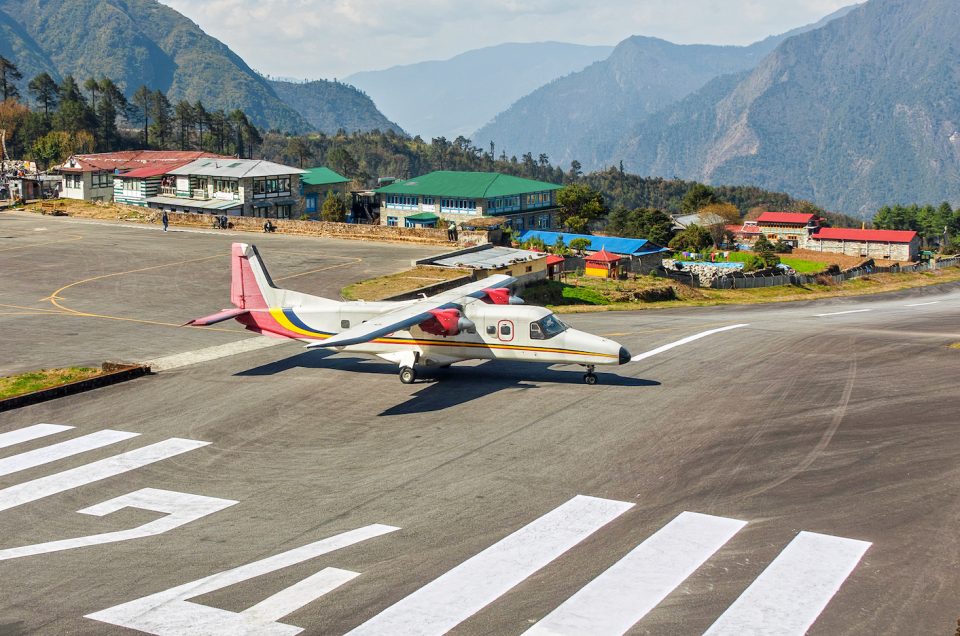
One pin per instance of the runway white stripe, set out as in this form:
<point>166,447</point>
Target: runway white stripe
<point>187,358</point>
<point>68,448</point>
<point>683,341</point>
<point>88,473</point>
<point>458,594</point>
<point>923,304</point>
<point>299,594</point>
<point>843,313</point>
<point>792,592</point>
<point>29,433</point>
<point>614,601</point>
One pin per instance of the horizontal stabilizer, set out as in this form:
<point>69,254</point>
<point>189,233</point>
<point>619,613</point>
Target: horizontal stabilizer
<point>221,316</point>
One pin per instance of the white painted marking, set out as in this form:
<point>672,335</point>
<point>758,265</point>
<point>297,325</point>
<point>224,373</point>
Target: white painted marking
<point>299,594</point>
<point>683,341</point>
<point>68,448</point>
<point>181,508</point>
<point>614,601</point>
<point>29,433</point>
<point>169,613</point>
<point>88,473</point>
<point>212,353</point>
<point>791,593</point>
<point>843,313</point>
<point>456,595</point>
<point>924,304</point>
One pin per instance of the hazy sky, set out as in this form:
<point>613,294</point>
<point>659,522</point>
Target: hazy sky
<point>333,38</point>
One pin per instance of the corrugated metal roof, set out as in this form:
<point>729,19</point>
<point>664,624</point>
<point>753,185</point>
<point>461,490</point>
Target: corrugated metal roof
<point>131,160</point>
<point>469,185</point>
<point>322,176</point>
<point>876,236</point>
<point>235,168</point>
<point>492,258</point>
<point>613,244</point>
<point>423,216</point>
<point>603,256</point>
<point>142,173</point>
<point>786,217</point>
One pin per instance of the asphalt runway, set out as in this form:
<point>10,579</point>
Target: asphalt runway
<point>793,468</point>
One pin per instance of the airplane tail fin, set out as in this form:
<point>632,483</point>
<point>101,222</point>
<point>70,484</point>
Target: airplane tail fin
<point>251,286</point>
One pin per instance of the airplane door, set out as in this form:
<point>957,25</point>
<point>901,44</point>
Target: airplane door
<point>505,330</point>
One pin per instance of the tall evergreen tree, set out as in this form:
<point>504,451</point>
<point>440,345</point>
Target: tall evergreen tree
<point>143,99</point>
<point>9,75</point>
<point>162,115</point>
<point>45,91</point>
<point>112,104</point>
<point>183,115</point>
<point>200,117</point>
<point>73,113</point>
<point>93,86</point>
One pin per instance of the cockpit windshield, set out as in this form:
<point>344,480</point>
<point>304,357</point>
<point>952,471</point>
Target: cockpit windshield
<point>547,327</point>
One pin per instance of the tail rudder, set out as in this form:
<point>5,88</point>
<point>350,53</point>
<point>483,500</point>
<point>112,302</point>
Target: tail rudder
<point>251,286</point>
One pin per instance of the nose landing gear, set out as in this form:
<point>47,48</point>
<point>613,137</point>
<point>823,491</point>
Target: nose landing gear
<point>408,375</point>
<point>590,377</point>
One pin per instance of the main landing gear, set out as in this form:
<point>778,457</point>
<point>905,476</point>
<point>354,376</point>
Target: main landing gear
<point>590,377</point>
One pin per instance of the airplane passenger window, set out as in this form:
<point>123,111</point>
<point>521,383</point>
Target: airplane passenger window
<point>492,330</point>
<point>536,333</point>
<point>504,329</point>
<point>344,324</point>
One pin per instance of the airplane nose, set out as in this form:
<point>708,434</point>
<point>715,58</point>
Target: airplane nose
<point>624,355</point>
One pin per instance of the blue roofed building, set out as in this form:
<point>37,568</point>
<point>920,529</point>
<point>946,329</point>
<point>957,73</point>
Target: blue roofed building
<point>644,256</point>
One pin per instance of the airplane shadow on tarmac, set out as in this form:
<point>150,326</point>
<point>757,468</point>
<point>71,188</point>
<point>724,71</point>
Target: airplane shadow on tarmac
<point>444,388</point>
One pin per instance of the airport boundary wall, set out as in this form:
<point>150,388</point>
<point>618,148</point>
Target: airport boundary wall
<point>751,281</point>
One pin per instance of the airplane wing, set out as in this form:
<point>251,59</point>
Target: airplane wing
<point>412,314</point>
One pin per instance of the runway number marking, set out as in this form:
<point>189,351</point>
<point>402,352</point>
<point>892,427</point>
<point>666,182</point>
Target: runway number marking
<point>450,599</point>
<point>842,313</point>
<point>792,592</point>
<point>88,473</point>
<point>683,341</point>
<point>614,601</point>
<point>181,508</point>
<point>170,612</point>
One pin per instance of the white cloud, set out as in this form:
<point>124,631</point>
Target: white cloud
<point>333,38</point>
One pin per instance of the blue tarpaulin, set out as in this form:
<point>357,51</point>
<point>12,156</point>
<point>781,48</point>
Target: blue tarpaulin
<point>616,245</point>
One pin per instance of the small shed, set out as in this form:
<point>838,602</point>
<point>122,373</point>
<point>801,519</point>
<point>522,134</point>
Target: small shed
<point>554,266</point>
<point>603,264</point>
<point>423,219</point>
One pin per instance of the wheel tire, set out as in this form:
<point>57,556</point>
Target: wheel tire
<point>408,375</point>
<point>590,379</point>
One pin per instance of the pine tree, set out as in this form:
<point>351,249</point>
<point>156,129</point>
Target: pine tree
<point>9,75</point>
<point>45,90</point>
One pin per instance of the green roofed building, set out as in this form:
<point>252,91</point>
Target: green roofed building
<point>444,196</point>
<point>317,183</point>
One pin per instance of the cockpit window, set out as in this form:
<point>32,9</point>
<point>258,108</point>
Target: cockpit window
<point>546,328</point>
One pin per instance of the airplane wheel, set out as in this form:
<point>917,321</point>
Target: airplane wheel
<point>408,375</point>
<point>590,379</point>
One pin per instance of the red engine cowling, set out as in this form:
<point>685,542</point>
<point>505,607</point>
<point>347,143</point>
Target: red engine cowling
<point>497,296</point>
<point>445,322</point>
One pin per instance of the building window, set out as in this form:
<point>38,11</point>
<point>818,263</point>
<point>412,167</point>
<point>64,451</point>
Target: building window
<point>131,185</point>
<point>225,185</point>
<point>311,203</point>
<point>391,221</point>
<point>428,200</point>
<point>102,180</point>
<point>72,181</point>
<point>283,211</point>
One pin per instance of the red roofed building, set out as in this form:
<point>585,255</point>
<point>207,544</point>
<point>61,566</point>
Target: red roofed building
<point>895,245</point>
<point>790,227</point>
<point>746,233</point>
<point>603,264</point>
<point>91,177</point>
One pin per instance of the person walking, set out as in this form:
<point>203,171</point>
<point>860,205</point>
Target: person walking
<point>166,221</point>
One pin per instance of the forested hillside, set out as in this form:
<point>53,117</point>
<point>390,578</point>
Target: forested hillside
<point>862,112</point>
<point>332,106</point>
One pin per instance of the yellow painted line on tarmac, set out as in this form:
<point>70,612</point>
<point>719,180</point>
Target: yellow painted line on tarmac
<point>38,309</point>
<point>76,237</point>
<point>353,261</point>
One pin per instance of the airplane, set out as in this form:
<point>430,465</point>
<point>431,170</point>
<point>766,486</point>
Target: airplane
<point>480,320</point>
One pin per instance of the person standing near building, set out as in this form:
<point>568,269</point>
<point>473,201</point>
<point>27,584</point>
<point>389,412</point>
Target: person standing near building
<point>166,221</point>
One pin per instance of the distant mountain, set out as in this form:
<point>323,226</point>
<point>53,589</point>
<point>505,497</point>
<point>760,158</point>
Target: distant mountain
<point>583,115</point>
<point>137,42</point>
<point>330,106</point>
<point>455,97</point>
<point>862,112</point>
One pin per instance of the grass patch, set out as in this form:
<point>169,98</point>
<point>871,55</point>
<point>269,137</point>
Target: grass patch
<point>802,266</point>
<point>43,379</point>
<point>393,284</point>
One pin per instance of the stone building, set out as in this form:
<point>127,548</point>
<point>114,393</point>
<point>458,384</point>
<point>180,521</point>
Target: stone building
<point>896,245</point>
<point>317,183</point>
<point>91,177</point>
<point>789,227</point>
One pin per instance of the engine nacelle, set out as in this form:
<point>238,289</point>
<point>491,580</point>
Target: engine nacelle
<point>501,296</point>
<point>446,322</point>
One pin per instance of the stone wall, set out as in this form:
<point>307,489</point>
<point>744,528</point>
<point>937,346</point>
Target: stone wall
<point>323,228</point>
<point>867,249</point>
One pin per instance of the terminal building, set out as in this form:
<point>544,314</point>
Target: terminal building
<point>444,196</point>
<point>91,177</point>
